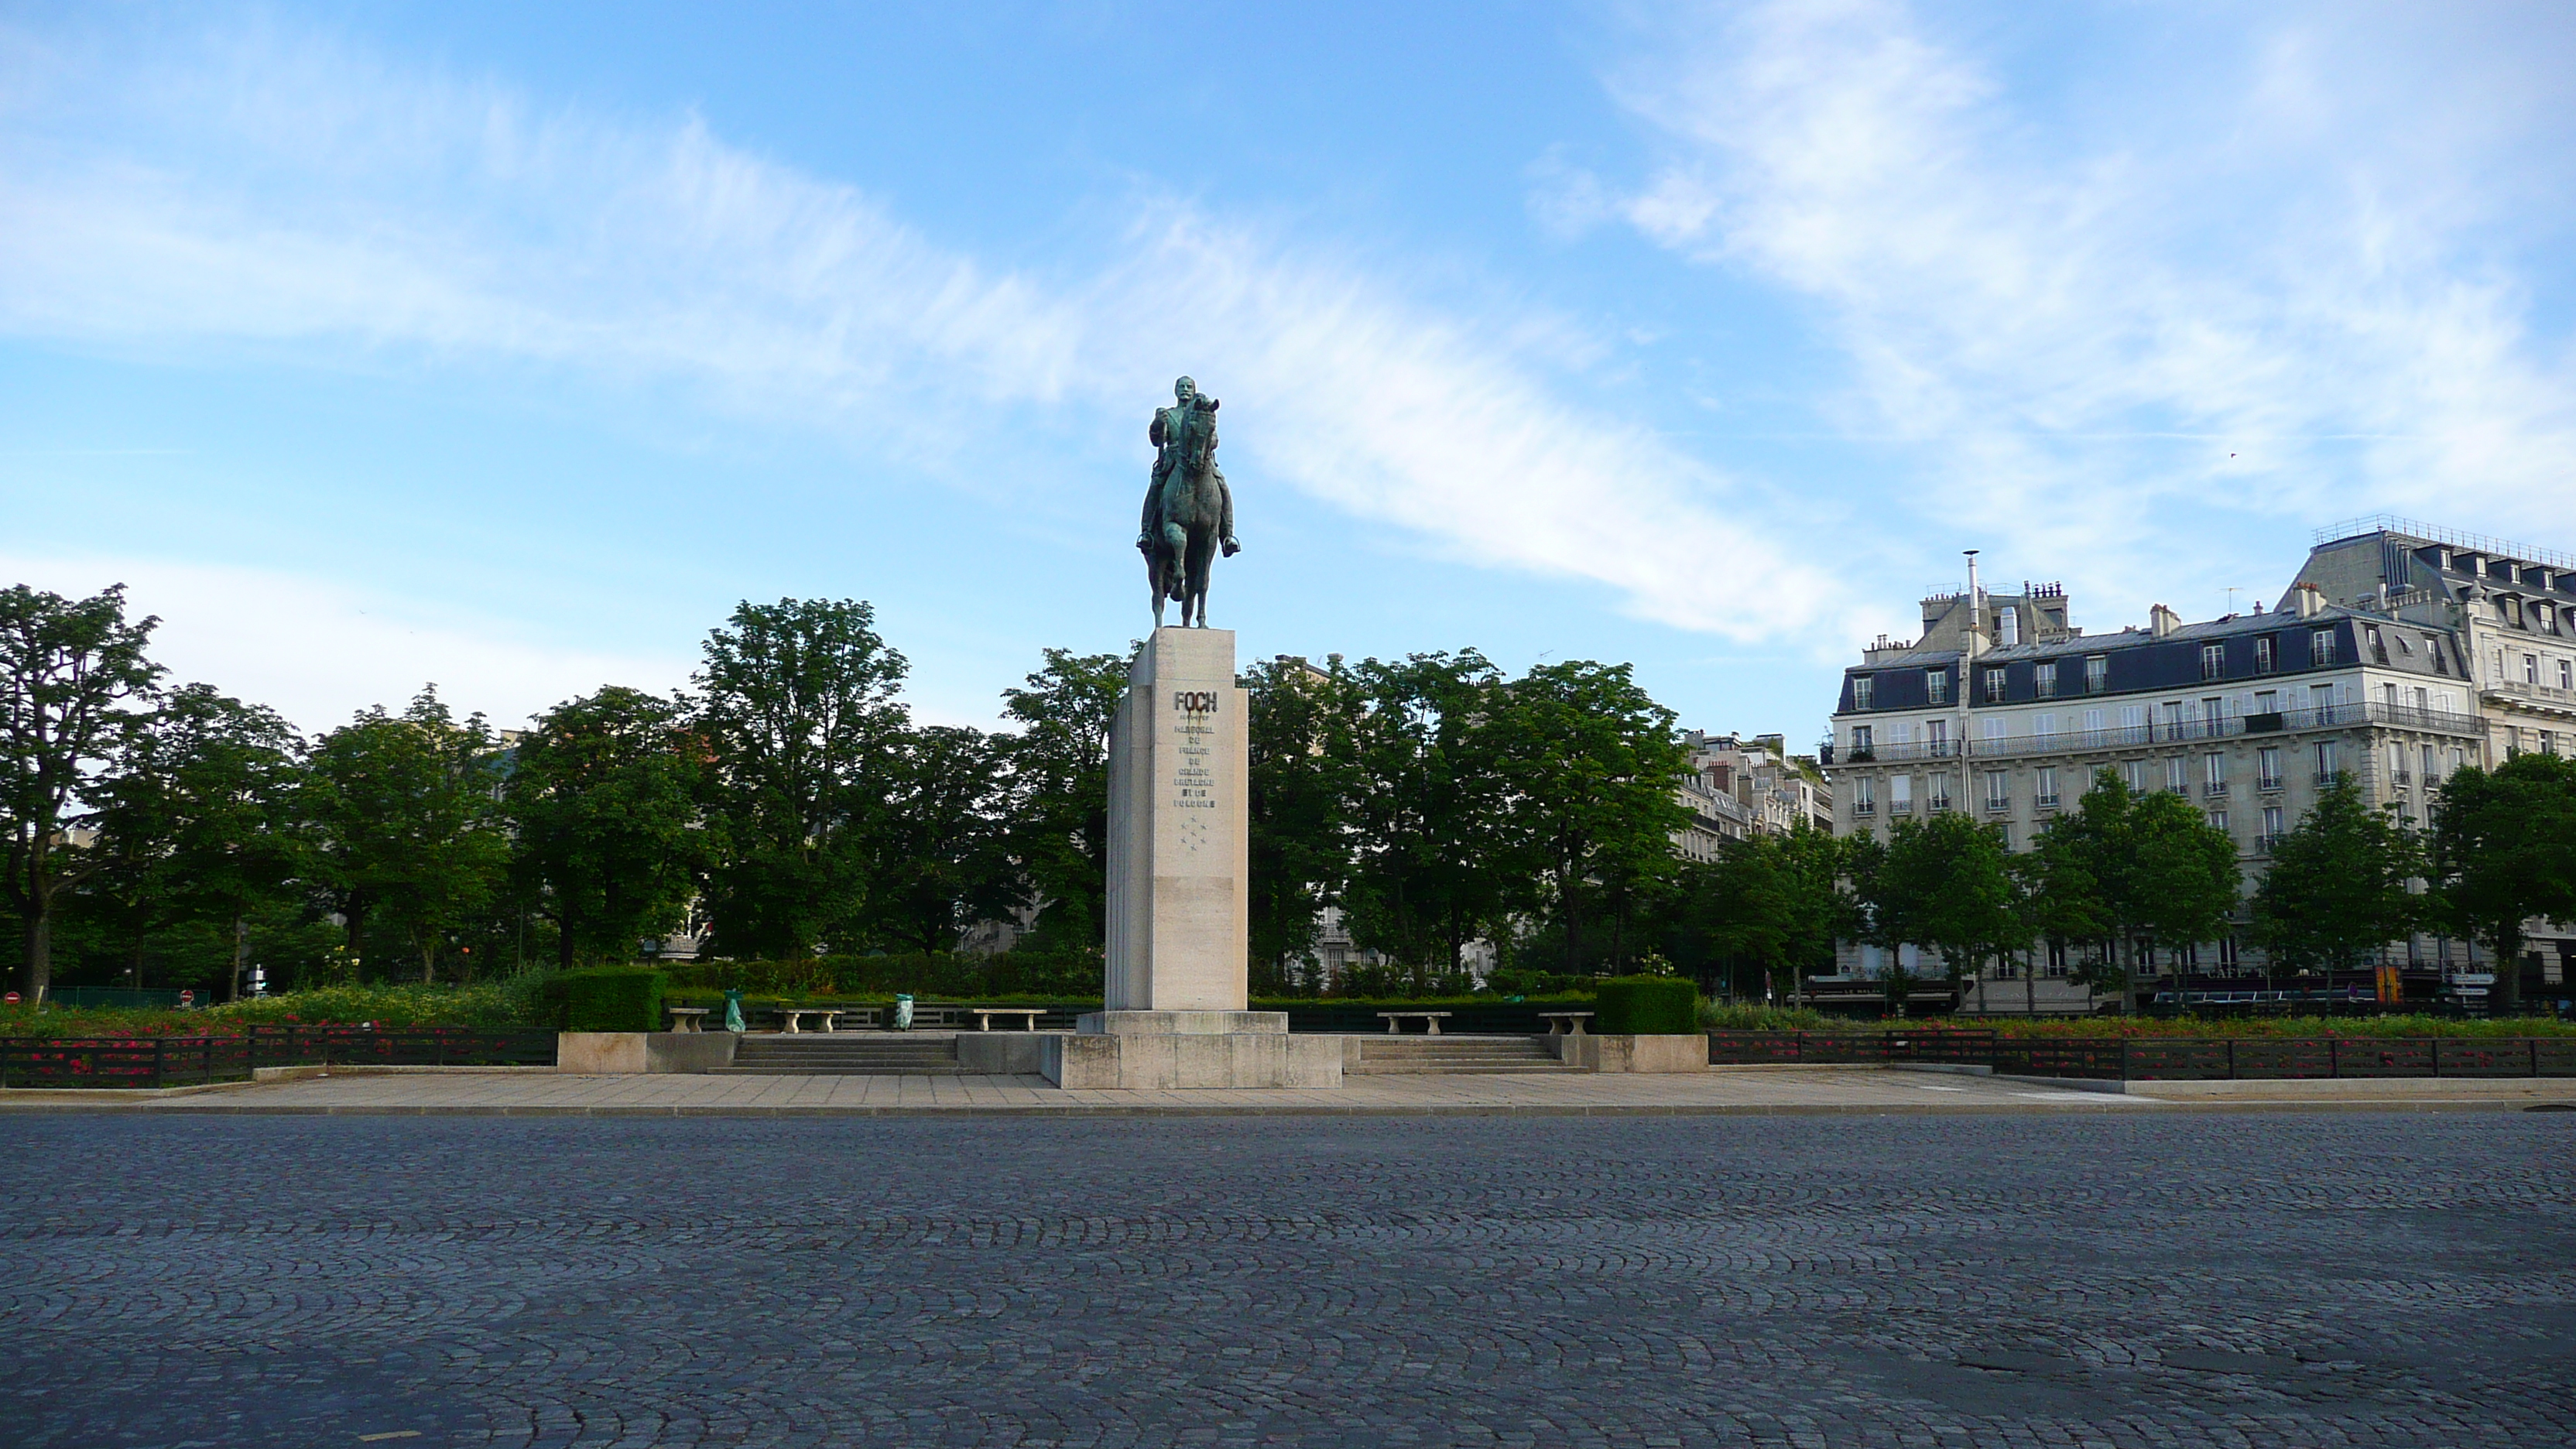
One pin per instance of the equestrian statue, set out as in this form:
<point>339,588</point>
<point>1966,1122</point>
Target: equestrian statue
<point>1189,514</point>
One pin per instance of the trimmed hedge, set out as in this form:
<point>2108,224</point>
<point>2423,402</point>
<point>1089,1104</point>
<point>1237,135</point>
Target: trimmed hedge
<point>613,998</point>
<point>1646,1006</point>
<point>924,974</point>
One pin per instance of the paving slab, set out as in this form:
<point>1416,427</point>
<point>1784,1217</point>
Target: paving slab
<point>1810,1090</point>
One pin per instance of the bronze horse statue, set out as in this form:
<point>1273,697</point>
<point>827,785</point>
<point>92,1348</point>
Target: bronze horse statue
<point>1189,512</point>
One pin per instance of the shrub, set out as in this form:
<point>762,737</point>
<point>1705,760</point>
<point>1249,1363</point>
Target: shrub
<point>615,998</point>
<point>1646,1006</point>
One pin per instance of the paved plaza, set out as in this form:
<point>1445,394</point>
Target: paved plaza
<point>2112,1277</point>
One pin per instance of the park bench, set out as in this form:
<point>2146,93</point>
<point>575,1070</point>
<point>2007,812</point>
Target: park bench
<point>1028,1016</point>
<point>795,1015</point>
<point>688,1018</point>
<point>1565,1023</point>
<point>1430,1021</point>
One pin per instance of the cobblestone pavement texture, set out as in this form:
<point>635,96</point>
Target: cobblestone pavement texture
<point>2104,1279</point>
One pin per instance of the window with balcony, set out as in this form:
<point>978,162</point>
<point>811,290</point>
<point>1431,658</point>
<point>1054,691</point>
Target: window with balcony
<point>2430,762</point>
<point>2324,751</point>
<point>2097,673</point>
<point>1900,794</point>
<point>2267,768</point>
<point>1864,691</point>
<point>2213,774</point>
<point>2177,776</point>
<point>2046,798</point>
<point>2135,773</point>
<point>2267,653</point>
<point>1936,736</point>
<point>2397,771</point>
<point>1864,796</point>
<point>1864,744</point>
<point>1998,790</point>
<point>2043,679</point>
<point>2218,821</point>
<point>1994,686</point>
<point>2272,818</point>
<point>2321,646</point>
<point>2213,661</point>
<point>1936,685</point>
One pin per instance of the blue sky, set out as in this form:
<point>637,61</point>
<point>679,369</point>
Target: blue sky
<point>507,346</point>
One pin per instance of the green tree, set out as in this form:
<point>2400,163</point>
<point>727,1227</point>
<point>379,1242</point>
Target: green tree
<point>406,822</point>
<point>602,797</point>
<point>68,670</point>
<point>2504,852</point>
<point>1058,810</point>
<point>798,711</point>
<point>2340,885</point>
<point>943,859</point>
<point>1302,784</point>
<point>1590,763</point>
<point>1943,883</point>
<point>1430,867</point>
<point>1776,901</point>
<point>197,821</point>
<point>2134,868</point>
<point>2058,894</point>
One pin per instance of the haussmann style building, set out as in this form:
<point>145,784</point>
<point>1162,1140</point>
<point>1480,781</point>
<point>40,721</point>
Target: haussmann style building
<point>2398,653</point>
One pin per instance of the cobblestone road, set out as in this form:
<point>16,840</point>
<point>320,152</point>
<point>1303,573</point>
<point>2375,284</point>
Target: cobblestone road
<point>2291,1280</point>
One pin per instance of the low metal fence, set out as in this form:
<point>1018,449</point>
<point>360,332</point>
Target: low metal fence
<point>2163,1059</point>
<point>187,1061</point>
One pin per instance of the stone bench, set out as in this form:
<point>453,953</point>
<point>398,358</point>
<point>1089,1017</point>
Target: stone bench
<point>1565,1023</point>
<point>1028,1016</point>
<point>1430,1021</point>
<point>794,1015</point>
<point>688,1018</point>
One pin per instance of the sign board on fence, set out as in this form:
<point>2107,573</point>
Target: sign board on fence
<point>187,998</point>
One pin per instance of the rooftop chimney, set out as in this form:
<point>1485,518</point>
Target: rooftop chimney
<point>2162,621</point>
<point>2306,599</point>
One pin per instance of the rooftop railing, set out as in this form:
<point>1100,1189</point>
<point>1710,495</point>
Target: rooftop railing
<point>2293,721</point>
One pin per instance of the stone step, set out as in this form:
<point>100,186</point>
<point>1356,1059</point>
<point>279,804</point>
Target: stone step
<point>1455,1055</point>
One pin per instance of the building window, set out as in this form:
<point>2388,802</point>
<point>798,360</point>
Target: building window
<point>1994,679</point>
<point>2135,771</point>
<point>2267,701</point>
<point>2430,762</point>
<point>2397,763</point>
<point>2267,768</point>
<point>1936,685</point>
<point>2097,673</point>
<point>2214,773</point>
<point>2043,679</point>
<point>2566,674</point>
<point>1936,735</point>
<point>2531,669</point>
<point>2092,727</point>
<point>2267,653</point>
<point>1900,794</point>
<point>2433,651</point>
<point>1998,790</point>
<point>2218,821</point>
<point>2213,661</point>
<point>1864,796</point>
<point>2325,752</point>
<point>2177,775</point>
<point>2003,831</point>
<point>2370,637</point>
<point>1864,691</point>
<point>2549,742</point>
<point>2321,646</point>
<point>1863,747</point>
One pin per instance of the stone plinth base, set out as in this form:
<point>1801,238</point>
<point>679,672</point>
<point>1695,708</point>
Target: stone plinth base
<point>616,1053</point>
<point>1634,1053</point>
<point>1201,1053</point>
<point>1183,1023</point>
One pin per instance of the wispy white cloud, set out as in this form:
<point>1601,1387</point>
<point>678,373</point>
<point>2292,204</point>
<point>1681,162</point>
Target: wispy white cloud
<point>318,653</point>
<point>282,191</point>
<point>2280,266</point>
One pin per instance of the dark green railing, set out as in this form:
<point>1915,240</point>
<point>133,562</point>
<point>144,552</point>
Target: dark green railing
<point>185,1061</point>
<point>2162,1059</point>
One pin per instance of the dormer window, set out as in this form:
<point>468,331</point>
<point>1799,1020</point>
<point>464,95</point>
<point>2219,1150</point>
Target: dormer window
<point>2321,646</point>
<point>1936,685</point>
<point>1864,691</point>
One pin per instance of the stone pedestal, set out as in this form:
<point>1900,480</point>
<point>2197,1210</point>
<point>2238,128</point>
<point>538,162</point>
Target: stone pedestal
<point>1179,892</point>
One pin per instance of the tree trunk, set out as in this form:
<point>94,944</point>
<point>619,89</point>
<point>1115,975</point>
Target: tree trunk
<point>241,957</point>
<point>2030,981</point>
<point>2504,998</point>
<point>428,963</point>
<point>38,973</point>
